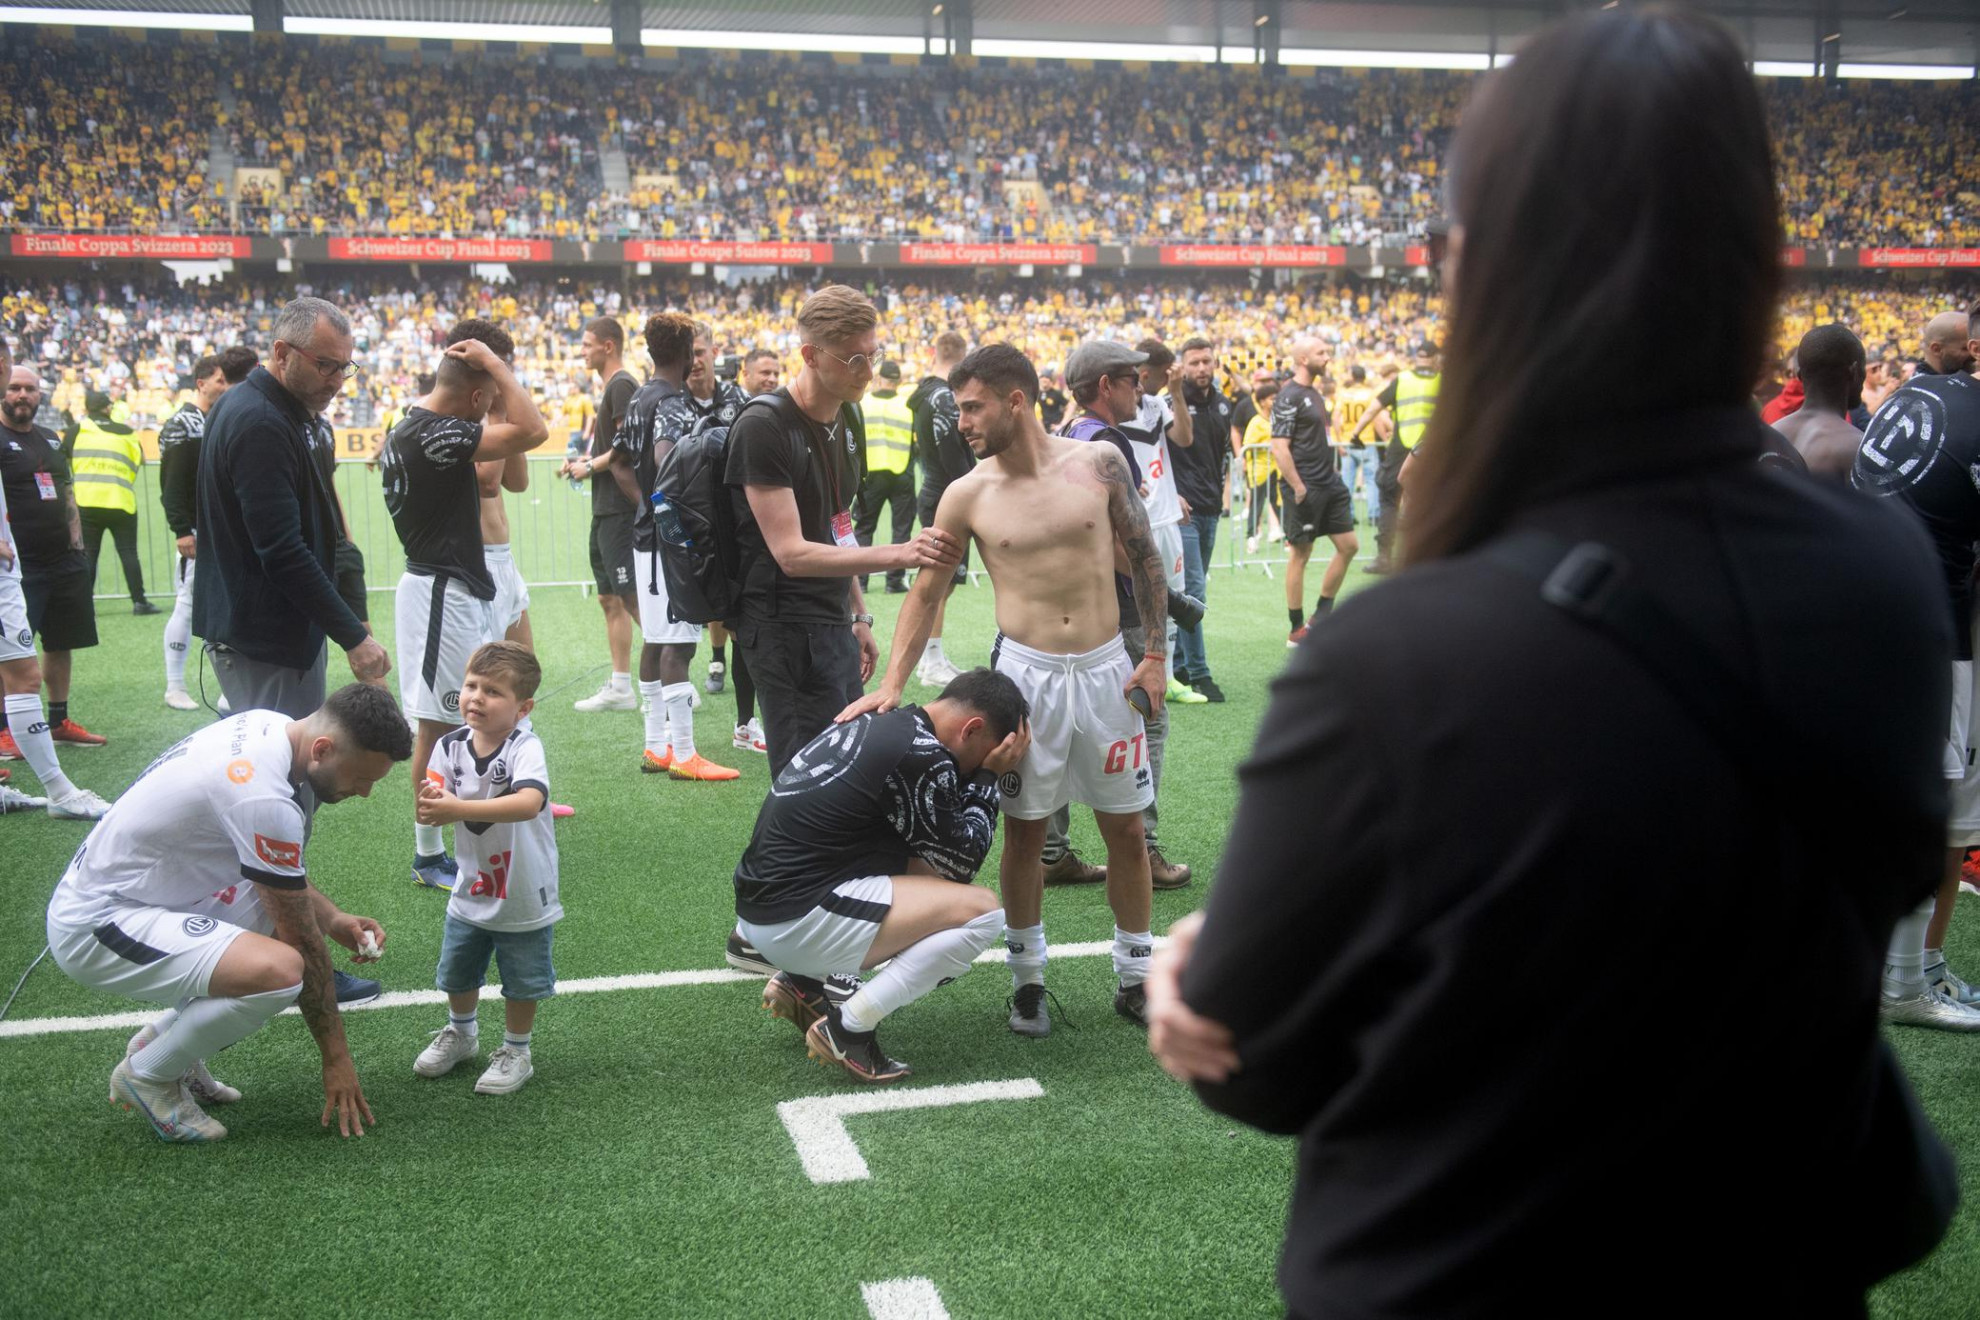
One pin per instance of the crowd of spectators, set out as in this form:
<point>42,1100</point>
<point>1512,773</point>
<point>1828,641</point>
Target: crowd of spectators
<point>358,139</point>
<point>138,341</point>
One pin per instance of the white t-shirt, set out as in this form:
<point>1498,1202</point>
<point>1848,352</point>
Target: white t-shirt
<point>507,876</point>
<point>218,806</point>
<point>1149,434</point>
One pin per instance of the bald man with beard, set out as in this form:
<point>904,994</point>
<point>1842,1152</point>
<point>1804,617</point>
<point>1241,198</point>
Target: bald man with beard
<point>1318,502</point>
<point>1949,346</point>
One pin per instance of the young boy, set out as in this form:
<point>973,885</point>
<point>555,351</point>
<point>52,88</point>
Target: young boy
<point>490,778</point>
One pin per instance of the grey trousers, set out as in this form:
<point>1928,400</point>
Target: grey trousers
<point>253,685</point>
<point>1060,821</point>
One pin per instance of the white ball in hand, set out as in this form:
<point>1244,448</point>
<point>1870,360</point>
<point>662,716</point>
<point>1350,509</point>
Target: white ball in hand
<point>368,947</point>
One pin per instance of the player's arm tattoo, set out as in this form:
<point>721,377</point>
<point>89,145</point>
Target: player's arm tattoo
<point>294,911</point>
<point>75,519</point>
<point>1130,519</point>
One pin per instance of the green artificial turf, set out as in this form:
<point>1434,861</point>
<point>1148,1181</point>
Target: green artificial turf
<point>644,1171</point>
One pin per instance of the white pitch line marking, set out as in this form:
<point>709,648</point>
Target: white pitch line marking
<point>903,1299</point>
<point>590,985</point>
<point>818,1130</point>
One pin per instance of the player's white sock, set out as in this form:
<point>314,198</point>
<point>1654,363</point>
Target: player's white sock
<point>919,968</point>
<point>680,718</point>
<point>655,706</point>
<point>29,724</point>
<point>621,682</point>
<point>204,1028</point>
<point>428,841</point>
<point>1025,952</point>
<point>516,1042</point>
<point>467,1025</point>
<point>1131,955</point>
<point>178,634</point>
<point>933,651</point>
<point>1904,964</point>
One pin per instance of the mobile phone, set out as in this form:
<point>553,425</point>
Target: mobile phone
<point>1139,700</point>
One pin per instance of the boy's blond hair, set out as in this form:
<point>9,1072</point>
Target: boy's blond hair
<point>510,661</point>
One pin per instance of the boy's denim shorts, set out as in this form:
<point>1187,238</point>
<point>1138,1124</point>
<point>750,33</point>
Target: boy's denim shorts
<point>523,956</point>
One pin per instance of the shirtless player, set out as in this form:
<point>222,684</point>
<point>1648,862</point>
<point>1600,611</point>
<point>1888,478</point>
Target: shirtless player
<point>1048,515</point>
<point>1831,362</point>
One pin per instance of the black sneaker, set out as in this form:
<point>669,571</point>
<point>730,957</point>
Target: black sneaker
<point>1028,1014</point>
<point>839,987</point>
<point>142,607</point>
<point>354,990</point>
<point>1131,1002</point>
<point>1208,687</point>
<point>858,1052</point>
<point>746,957</point>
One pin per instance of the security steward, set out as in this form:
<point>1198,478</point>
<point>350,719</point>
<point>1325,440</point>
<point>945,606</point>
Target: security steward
<point>1410,398</point>
<point>104,458</point>
<point>889,466</point>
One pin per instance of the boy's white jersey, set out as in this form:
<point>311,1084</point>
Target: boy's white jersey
<point>507,876</point>
<point>220,806</point>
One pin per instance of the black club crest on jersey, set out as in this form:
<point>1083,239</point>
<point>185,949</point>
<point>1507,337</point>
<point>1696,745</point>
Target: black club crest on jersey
<point>1010,784</point>
<point>452,701</point>
<point>197,926</point>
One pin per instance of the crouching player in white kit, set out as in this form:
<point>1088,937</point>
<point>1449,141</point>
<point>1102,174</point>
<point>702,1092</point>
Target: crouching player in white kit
<point>174,895</point>
<point>1049,516</point>
<point>490,779</point>
<point>864,851</point>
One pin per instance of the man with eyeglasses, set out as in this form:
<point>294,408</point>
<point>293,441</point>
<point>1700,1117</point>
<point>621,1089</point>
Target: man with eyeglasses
<point>266,594</point>
<point>803,629</point>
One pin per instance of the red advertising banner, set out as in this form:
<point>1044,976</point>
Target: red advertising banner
<point>1794,256</point>
<point>163,247</point>
<point>998,254</point>
<point>439,249</point>
<point>1924,258</point>
<point>1233,254</point>
<point>747,254</point>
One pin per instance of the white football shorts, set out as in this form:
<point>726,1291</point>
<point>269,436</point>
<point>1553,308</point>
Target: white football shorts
<point>654,625</point>
<point>511,592</point>
<point>440,625</point>
<point>1088,745</point>
<point>832,938</point>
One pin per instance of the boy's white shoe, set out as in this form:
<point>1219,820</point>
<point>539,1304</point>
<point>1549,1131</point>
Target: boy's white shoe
<point>450,1046</point>
<point>508,1068</point>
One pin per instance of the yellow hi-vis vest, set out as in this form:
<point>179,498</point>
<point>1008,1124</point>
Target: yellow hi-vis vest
<point>1416,399</point>
<point>105,465</point>
<point>889,433</point>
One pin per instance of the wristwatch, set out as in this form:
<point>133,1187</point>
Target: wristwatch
<point>866,619</point>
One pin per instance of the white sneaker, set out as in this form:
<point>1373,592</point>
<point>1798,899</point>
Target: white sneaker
<point>508,1068</point>
<point>1932,1007</point>
<point>225,707</point>
<point>1251,545</point>
<point>12,799</point>
<point>608,698</point>
<point>79,805</point>
<point>1949,981</point>
<point>936,673</point>
<point>180,699</point>
<point>749,738</point>
<point>450,1046</point>
<point>173,1114</point>
<point>199,1083</point>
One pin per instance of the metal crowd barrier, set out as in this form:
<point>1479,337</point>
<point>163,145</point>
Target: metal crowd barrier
<point>549,526</point>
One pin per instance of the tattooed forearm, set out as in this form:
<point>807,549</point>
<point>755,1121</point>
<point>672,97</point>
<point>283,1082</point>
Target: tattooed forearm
<point>1130,519</point>
<point>296,925</point>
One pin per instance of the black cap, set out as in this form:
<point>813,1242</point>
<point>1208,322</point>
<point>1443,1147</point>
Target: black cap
<point>890,370</point>
<point>96,401</point>
<point>1422,348</point>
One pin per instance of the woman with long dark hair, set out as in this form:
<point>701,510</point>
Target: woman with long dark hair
<point>1552,913</point>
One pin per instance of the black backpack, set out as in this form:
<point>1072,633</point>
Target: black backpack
<point>700,556</point>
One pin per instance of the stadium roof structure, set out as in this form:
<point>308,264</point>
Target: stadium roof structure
<point>1867,38</point>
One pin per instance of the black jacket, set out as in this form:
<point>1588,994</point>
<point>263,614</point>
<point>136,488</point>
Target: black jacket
<point>268,533</point>
<point>938,439</point>
<point>178,468</point>
<point>1548,989</point>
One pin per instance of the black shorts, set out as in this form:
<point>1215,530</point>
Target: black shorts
<point>350,579</point>
<point>1326,511</point>
<point>805,674</point>
<point>929,501</point>
<point>59,608</point>
<point>612,554</point>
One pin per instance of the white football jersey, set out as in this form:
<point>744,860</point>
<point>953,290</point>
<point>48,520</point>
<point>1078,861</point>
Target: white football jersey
<point>1149,434</point>
<point>507,871</point>
<point>218,807</point>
